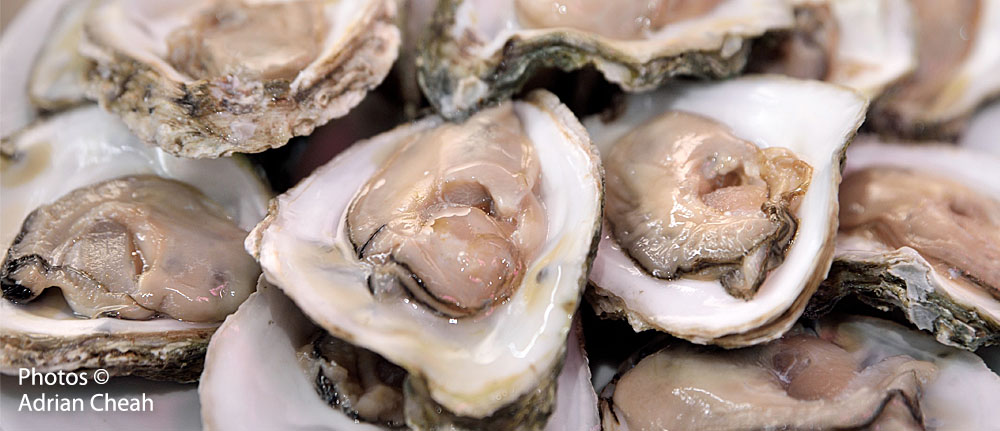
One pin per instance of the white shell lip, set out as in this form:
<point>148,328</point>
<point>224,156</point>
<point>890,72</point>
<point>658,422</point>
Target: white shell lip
<point>266,332</point>
<point>81,147</point>
<point>475,366</point>
<point>813,119</point>
<point>876,43</point>
<point>968,167</point>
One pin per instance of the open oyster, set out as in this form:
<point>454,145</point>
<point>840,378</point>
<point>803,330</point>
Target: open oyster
<point>863,44</point>
<point>958,53</point>
<point>456,251</point>
<point>58,76</point>
<point>205,79</point>
<point>721,205</point>
<point>849,374</point>
<point>920,231</point>
<point>269,331</point>
<point>109,217</point>
<point>484,50</point>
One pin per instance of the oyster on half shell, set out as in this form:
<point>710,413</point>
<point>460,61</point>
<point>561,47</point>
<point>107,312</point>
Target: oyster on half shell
<point>93,153</point>
<point>738,190</point>
<point>484,50</point>
<point>848,373</point>
<point>207,79</point>
<point>920,232</point>
<point>508,201</point>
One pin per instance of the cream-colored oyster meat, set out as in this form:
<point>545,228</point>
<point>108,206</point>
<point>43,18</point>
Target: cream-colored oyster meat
<point>206,79</point>
<point>686,196</point>
<point>855,373</point>
<point>453,217</point>
<point>721,205</point>
<point>133,247</point>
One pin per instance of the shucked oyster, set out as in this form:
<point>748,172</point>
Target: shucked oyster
<point>721,205</point>
<point>484,50</point>
<point>857,373</point>
<point>958,47</point>
<point>456,251</point>
<point>863,44</point>
<point>920,231</point>
<point>119,234</point>
<point>58,75</point>
<point>205,79</point>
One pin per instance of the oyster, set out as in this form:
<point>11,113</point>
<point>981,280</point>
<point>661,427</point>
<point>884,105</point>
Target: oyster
<point>920,231</point>
<point>508,201</point>
<point>58,76</point>
<point>206,79</point>
<point>854,373</point>
<point>269,331</point>
<point>73,150</point>
<point>958,51</point>
<point>484,50</point>
<point>721,205</point>
<point>863,44</point>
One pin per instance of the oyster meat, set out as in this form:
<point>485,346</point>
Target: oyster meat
<point>920,231</point>
<point>484,50</point>
<point>843,374</point>
<point>456,251</point>
<point>721,205</point>
<point>206,79</point>
<point>104,228</point>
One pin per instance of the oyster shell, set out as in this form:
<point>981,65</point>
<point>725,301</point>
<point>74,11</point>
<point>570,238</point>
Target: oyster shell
<point>503,357</point>
<point>484,50</point>
<point>266,332</point>
<point>958,52</point>
<point>58,76</point>
<point>955,298</point>
<point>814,122</point>
<point>207,79</point>
<point>857,372</point>
<point>862,44</point>
<point>85,146</point>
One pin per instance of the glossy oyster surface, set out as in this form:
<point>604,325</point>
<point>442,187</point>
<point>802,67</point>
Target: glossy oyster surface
<point>75,149</point>
<point>848,373</point>
<point>958,48</point>
<point>756,203</point>
<point>862,44</point>
<point>482,50</point>
<point>133,247</point>
<point>501,356</point>
<point>920,231</point>
<point>269,331</point>
<point>207,79</point>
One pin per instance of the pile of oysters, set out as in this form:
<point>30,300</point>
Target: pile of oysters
<point>748,214</point>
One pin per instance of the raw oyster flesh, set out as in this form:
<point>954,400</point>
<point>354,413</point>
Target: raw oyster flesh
<point>841,374</point>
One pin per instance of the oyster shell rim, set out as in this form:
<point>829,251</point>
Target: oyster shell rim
<point>180,117</point>
<point>258,245</point>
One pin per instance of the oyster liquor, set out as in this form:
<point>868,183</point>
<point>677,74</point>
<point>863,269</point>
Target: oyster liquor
<point>98,402</point>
